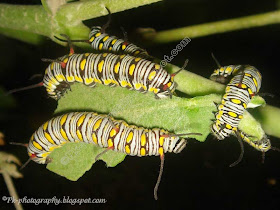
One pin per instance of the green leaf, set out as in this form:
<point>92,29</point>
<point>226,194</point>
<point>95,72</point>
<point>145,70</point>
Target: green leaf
<point>72,160</point>
<point>178,115</point>
<point>256,101</point>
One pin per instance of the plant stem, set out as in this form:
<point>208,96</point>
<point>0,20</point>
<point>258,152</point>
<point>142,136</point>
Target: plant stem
<point>32,19</point>
<point>28,37</point>
<point>195,85</point>
<point>12,189</point>
<point>78,11</point>
<point>213,28</point>
<point>269,117</point>
<point>66,19</point>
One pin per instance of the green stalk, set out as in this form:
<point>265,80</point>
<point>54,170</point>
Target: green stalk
<point>193,84</point>
<point>78,11</point>
<point>54,18</point>
<point>24,36</point>
<point>213,28</point>
<point>33,19</point>
<point>269,117</point>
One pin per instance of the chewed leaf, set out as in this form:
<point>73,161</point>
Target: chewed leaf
<point>177,115</point>
<point>112,158</point>
<point>72,160</point>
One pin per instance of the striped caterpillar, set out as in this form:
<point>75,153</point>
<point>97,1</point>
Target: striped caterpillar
<point>239,92</point>
<point>103,42</point>
<point>106,132</point>
<point>107,69</point>
<point>245,83</point>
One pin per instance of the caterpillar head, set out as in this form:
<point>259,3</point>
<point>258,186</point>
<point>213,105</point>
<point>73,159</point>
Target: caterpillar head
<point>94,30</point>
<point>264,144</point>
<point>219,133</point>
<point>38,158</point>
<point>175,144</point>
<point>166,90</point>
<point>223,74</point>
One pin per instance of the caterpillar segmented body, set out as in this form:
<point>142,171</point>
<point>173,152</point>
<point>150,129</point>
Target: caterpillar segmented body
<point>106,132</point>
<point>108,69</point>
<point>101,41</point>
<point>103,131</point>
<point>245,83</point>
<point>239,92</point>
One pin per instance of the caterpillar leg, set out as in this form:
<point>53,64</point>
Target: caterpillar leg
<point>159,176</point>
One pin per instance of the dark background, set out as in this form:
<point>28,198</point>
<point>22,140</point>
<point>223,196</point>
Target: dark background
<point>199,177</point>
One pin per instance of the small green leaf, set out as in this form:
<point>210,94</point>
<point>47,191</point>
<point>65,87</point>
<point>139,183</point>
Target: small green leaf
<point>72,160</point>
<point>112,158</point>
<point>256,102</point>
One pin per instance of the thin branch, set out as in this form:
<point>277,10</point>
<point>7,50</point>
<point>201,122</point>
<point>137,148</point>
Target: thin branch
<point>193,84</point>
<point>24,36</point>
<point>213,28</point>
<point>12,189</point>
